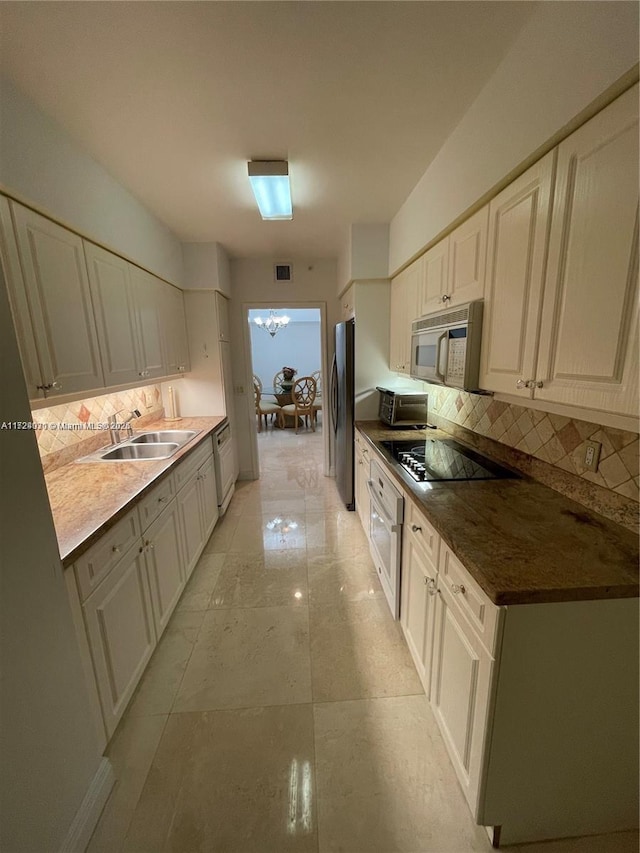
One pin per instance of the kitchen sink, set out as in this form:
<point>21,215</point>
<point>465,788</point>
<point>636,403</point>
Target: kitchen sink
<point>141,451</point>
<point>156,444</point>
<point>179,436</point>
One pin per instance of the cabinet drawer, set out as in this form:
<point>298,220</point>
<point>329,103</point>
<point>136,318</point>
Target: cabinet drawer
<point>422,533</point>
<point>468,598</point>
<point>96,563</point>
<point>156,500</point>
<point>192,463</point>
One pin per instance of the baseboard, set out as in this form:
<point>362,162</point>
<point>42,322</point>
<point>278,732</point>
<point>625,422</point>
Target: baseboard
<point>88,814</point>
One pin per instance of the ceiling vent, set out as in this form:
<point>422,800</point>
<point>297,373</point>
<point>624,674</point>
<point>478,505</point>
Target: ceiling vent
<point>282,272</point>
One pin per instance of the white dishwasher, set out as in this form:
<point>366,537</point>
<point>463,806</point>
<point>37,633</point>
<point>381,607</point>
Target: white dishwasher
<point>385,529</point>
<point>223,455</point>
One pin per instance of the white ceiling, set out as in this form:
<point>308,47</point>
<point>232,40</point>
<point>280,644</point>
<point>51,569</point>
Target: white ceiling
<point>174,97</point>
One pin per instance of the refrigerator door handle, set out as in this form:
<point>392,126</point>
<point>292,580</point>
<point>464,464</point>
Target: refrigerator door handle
<point>334,395</point>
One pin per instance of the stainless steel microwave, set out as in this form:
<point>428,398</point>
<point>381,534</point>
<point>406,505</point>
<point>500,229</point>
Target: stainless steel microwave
<point>445,347</point>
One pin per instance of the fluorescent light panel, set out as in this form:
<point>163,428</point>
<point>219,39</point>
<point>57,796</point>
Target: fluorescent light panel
<point>270,184</point>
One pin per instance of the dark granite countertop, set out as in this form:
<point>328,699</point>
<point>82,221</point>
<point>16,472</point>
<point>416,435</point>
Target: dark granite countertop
<point>521,541</point>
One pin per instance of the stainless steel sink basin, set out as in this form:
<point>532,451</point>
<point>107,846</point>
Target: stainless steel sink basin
<point>141,451</point>
<point>155,444</point>
<point>179,436</point>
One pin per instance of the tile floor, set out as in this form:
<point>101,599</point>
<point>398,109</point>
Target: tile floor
<point>281,710</point>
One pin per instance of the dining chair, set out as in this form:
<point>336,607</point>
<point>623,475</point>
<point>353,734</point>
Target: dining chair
<point>317,405</point>
<point>303,394</point>
<point>257,381</point>
<point>278,379</point>
<point>263,410</point>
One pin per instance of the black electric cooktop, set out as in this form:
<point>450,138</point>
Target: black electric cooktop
<point>434,459</point>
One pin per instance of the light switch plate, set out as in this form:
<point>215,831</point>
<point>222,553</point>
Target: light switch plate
<point>592,455</point>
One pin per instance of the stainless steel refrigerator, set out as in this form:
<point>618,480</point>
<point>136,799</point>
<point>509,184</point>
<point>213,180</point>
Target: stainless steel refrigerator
<point>342,409</point>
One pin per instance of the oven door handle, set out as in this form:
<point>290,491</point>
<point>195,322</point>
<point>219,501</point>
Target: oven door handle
<point>440,376</point>
<point>382,512</point>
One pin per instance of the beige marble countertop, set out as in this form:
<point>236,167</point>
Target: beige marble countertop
<point>89,497</point>
<point>521,541</point>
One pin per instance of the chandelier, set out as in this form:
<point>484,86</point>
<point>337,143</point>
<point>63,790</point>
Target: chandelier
<point>273,323</point>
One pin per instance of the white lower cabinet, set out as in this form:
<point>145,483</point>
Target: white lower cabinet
<point>462,670</point>
<point>188,502</point>
<point>417,608</point>
<point>128,583</point>
<point>165,570</point>
<point>361,459</point>
<point>119,623</point>
<point>197,504</point>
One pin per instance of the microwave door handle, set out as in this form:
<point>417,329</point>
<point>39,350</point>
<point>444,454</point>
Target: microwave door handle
<point>440,375</point>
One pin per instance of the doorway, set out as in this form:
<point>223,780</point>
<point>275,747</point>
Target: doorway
<point>287,336</point>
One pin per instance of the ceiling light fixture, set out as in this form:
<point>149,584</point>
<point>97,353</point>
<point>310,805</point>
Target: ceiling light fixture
<point>273,323</point>
<point>270,184</point>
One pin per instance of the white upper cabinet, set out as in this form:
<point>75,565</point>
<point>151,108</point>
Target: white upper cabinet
<point>434,277</point>
<point>58,299</point>
<point>405,289</point>
<point>175,330</point>
<point>467,260</point>
<point>111,290</point>
<point>518,228</point>
<point>589,332</point>
<point>453,271</point>
<point>148,300</point>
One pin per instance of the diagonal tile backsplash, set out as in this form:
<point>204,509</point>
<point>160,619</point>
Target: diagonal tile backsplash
<point>70,430</point>
<point>556,439</point>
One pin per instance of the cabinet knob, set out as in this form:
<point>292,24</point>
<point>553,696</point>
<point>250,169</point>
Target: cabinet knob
<point>446,297</point>
<point>162,500</point>
<point>538,384</point>
<point>521,383</point>
<point>416,528</point>
<point>456,588</point>
<point>116,549</point>
<point>56,386</point>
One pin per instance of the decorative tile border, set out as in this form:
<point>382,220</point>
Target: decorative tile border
<point>70,429</point>
<point>560,441</point>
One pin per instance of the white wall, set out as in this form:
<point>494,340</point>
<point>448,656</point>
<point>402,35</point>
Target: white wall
<point>43,165</point>
<point>564,58</point>
<point>296,346</point>
<point>48,742</point>
<point>252,282</point>
<point>206,267</point>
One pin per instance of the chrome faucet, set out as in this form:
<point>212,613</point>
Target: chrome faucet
<point>116,434</point>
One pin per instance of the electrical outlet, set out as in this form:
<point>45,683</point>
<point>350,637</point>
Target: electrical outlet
<point>239,389</point>
<point>592,455</point>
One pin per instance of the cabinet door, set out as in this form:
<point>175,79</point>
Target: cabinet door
<point>208,495</point>
<point>518,229</point>
<point>589,333</point>
<point>222,313</point>
<point>188,501</point>
<point>121,635</point>
<point>19,305</point>
<point>115,312</point>
<point>59,299</point>
<point>175,330</point>
<point>435,277</point>
<point>148,298</point>
<point>404,310</point>
<point>362,474</point>
<point>467,259</point>
<point>417,607</point>
<point>461,679</point>
<point>163,557</point>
